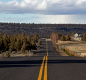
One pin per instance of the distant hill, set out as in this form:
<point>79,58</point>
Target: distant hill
<point>42,29</point>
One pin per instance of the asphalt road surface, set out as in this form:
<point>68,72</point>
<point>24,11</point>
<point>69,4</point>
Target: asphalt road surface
<point>45,65</point>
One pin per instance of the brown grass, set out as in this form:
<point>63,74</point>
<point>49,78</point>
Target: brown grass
<point>71,53</point>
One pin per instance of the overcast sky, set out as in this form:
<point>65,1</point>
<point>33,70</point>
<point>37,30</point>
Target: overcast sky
<point>43,11</point>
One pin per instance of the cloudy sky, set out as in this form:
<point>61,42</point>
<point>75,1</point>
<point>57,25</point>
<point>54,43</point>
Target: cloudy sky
<point>43,11</point>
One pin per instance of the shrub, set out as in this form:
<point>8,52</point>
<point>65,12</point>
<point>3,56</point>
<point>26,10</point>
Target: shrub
<point>39,42</point>
<point>19,42</point>
<point>7,54</point>
<point>23,48</point>
<point>63,38</point>
<point>68,52</point>
<point>68,37</point>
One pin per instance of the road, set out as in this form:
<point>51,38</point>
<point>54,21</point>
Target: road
<point>45,65</point>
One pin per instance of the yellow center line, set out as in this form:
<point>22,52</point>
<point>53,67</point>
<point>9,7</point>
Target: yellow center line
<point>45,71</point>
<point>41,69</point>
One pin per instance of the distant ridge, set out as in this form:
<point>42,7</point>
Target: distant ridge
<point>42,29</point>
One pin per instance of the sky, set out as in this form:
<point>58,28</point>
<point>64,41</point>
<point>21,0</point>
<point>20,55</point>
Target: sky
<point>43,11</point>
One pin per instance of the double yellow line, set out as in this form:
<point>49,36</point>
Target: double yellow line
<point>45,59</point>
<point>41,69</point>
<point>45,70</point>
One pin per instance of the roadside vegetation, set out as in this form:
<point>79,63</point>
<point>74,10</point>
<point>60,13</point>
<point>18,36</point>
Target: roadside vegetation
<point>58,36</point>
<point>68,53</point>
<point>60,42</point>
<point>84,37</point>
<point>19,42</point>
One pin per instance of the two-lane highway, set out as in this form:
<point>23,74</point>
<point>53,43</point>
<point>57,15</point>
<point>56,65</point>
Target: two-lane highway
<point>45,65</point>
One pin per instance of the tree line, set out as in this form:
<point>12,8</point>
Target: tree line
<point>58,36</point>
<point>19,42</point>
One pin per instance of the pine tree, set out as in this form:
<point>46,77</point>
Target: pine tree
<point>23,48</point>
<point>58,35</point>
<point>33,45</point>
<point>24,40</point>
<point>29,38</point>
<point>39,42</point>
<point>84,37</point>
<point>68,37</point>
<point>63,38</point>
<point>18,44</point>
<point>12,43</point>
<point>1,42</point>
<point>28,45</point>
<point>6,41</point>
<point>36,37</point>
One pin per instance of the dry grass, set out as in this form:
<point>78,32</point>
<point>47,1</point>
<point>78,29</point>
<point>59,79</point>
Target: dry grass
<point>76,47</point>
<point>70,52</point>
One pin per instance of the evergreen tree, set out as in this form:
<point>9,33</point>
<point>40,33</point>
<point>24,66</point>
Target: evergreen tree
<point>58,35</point>
<point>33,42</point>
<point>39,42</point>
<point>12,43</point>
<point>29,38</point>
<point>1,42</point>
<point>24,40</point>
<point>68,37</point>
<point>36,37</point>
<point>23,48</point>
<point>84,37</point>
<point>6,41</point>
<point>33,45</point>
<point>18,44</point>
<point>63,38</point>
<point>28,45</point>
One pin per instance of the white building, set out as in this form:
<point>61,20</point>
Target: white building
<point>78,36</point>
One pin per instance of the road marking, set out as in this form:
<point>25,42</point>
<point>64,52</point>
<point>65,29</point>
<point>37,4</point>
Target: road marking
<point>45,70</point>
<point>42,65</point>
<point>41,69</point>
